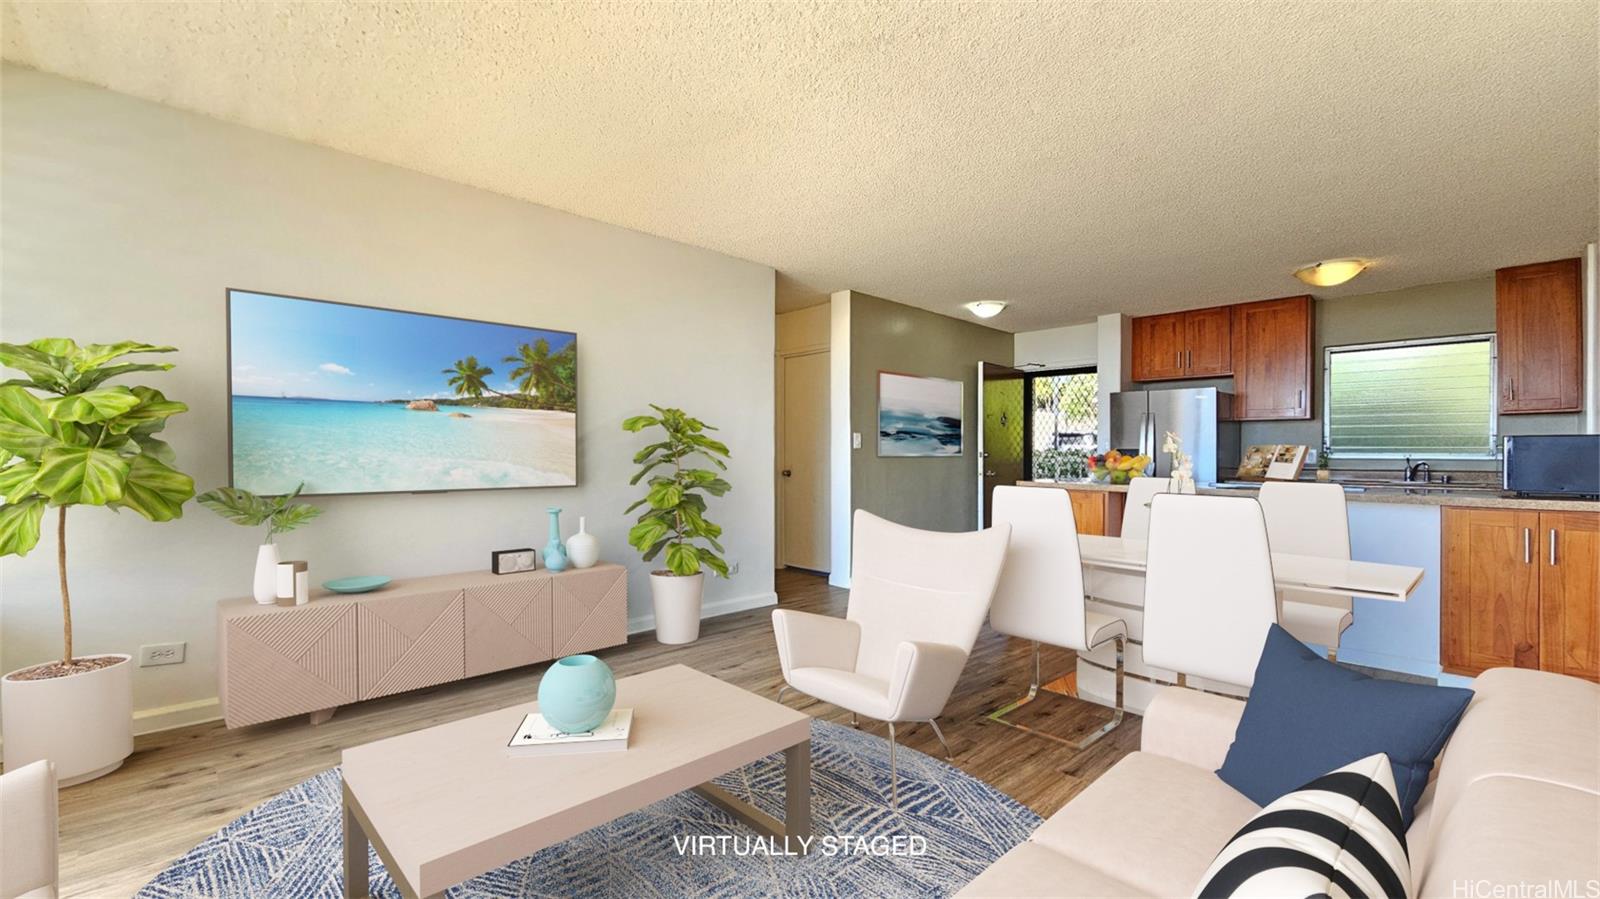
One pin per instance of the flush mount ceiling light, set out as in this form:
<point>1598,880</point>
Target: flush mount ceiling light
<point>986,308</point>
<point>1331,272</point>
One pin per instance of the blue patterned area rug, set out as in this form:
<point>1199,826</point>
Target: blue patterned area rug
<point>949,827</point>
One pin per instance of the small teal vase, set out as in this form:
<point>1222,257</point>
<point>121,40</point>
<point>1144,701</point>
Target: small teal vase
<point>555,552</point>
<point>577,693</point>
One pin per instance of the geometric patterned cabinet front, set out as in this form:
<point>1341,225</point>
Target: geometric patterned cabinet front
<point>275,661</point>
<point>287,661</point>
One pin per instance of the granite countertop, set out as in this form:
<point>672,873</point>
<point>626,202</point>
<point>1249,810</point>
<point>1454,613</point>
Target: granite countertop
<point>1438,496</point>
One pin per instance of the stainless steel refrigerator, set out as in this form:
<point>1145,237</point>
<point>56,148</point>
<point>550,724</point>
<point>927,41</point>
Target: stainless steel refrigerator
<point>1200,416</point>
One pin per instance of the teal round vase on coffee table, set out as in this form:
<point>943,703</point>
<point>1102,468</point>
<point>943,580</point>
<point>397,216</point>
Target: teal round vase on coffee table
<point>577,693</point>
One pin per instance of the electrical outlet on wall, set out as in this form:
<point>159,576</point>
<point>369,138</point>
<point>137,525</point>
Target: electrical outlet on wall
<point>153,654</point>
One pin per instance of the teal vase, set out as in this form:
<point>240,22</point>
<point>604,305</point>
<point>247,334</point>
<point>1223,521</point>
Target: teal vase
<point>555,552</point>
<point>577,693</point>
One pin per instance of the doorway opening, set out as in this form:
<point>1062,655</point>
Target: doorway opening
<point>1062,427</point>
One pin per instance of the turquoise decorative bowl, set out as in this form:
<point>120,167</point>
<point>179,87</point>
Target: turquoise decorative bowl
<point>362,584</point>
<point>577,693</point>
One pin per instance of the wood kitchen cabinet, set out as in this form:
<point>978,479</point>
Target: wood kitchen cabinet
<point>1520,590</point>
<point>1539,330</point>
<point>1098,512</point>
<point>1569,593</point>
<point>1193,344</point>
<point>1272,351</point>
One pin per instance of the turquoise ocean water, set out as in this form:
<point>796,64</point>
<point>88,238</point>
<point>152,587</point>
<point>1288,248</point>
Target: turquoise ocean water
<point>336,446</point>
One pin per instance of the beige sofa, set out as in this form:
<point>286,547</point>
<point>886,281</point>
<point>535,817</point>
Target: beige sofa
<point>1514,804</point>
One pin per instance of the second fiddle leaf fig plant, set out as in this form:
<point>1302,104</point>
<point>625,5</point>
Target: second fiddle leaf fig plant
<point>676,517</point>
<point>674,523</point>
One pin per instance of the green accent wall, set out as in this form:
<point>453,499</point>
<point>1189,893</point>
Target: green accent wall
<point>938,494</point>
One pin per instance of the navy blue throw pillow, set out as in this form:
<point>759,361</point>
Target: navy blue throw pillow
<point>1307,716</point>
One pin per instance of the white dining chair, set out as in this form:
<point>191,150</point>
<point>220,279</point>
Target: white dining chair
<point>1136,507</point>
<point>917,601</point>
<point>1040,596</point>
<point>1209,598</point>
<point>1310,520</point>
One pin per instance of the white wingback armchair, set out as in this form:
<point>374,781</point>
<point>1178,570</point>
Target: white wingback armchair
<point>917,600</point>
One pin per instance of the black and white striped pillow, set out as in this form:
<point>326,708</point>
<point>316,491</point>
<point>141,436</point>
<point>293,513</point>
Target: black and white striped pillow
<point>1340,835</point>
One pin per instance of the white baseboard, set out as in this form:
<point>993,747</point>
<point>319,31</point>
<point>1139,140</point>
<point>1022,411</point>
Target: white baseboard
<point>166,717</point>
<point>725,606</point>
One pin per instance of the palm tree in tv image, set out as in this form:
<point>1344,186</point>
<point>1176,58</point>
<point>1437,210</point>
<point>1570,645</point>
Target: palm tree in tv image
<point>536,368</point>
<point>467,377</point>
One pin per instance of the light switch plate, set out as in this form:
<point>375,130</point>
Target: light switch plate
<point>855,440</point>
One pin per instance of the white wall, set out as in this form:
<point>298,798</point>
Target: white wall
<point>1066,347</point>
<point>126,220</point>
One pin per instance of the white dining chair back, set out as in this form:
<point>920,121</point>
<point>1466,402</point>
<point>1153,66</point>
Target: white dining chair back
<point>1136,507</point>
<point>1209,596</point>
<point>29,865</point>
<point>1310,520</point>
<point>1040,595</point>
<point>920,586</point>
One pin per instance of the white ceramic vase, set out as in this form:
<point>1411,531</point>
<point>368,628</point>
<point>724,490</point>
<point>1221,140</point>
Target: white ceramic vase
<point>266,583</point>
<point>677,606</point>
<point>583,550</point>
<point>82,722</point>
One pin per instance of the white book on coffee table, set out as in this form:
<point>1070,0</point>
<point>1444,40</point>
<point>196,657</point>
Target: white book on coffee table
<point>537,737</point>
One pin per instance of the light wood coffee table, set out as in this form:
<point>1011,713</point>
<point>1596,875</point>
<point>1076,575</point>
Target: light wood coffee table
<point>446,804</point>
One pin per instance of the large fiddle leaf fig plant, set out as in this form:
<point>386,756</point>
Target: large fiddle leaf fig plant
<point>675,519</point>
<point>68,439</point>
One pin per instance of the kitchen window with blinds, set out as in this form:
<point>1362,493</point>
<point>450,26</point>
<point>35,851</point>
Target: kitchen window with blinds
<point>1431,399</point>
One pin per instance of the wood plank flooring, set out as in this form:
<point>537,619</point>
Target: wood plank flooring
<point>182,785</point>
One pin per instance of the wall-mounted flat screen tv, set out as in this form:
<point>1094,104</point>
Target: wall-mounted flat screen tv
<point>355,399</point>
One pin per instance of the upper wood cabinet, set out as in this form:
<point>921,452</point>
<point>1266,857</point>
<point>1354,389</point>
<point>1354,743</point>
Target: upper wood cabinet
<point>1194,344</point>
<point>1520,589</point>
<point>1208,346</point>
<point>1539,323</point>
<point>1272,359</point>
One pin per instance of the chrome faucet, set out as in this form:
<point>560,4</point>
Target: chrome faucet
<point>1420,471</point>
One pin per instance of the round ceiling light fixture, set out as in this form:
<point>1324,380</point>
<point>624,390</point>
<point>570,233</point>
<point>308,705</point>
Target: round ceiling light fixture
<point>986,308</point>
<point>1332,272</point>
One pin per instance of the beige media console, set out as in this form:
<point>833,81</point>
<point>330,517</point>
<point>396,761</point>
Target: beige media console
<point>281,660</point>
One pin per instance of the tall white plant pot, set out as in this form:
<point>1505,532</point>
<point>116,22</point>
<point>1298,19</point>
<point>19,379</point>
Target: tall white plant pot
<point>82,722</point>
<point>677,605</point>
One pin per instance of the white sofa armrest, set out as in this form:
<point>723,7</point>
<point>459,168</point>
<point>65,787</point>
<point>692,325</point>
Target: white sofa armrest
<point>922,679</point>
<point>1191,726</point>
<point>807,640</point>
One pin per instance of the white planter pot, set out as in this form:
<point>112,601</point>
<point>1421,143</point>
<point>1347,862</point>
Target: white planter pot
<point>677,605</point>
<point>82,722</point>
<point>266,584</point>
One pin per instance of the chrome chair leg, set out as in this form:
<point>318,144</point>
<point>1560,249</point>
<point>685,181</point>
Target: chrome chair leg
<point>948,755</point>
<point>998,715</point>
<point>854,721</point>
<point>894,775</point>
<point>1333,654</point>
<point>782,690</point>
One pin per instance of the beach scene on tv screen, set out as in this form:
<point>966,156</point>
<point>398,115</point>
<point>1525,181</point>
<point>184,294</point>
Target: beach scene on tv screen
<point>353,399</point>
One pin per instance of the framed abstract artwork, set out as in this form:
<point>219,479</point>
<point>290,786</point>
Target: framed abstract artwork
<point>918,416</point>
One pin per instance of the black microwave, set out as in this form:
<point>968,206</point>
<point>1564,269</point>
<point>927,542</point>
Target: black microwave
<point>1553,465</point>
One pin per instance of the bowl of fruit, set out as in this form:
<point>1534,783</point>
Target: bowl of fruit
<point>1116,468</point>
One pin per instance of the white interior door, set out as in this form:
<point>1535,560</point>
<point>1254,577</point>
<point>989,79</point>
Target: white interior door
<point>804,461</point>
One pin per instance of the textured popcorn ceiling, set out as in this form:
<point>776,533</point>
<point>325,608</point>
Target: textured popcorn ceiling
<point>1072,159</point>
